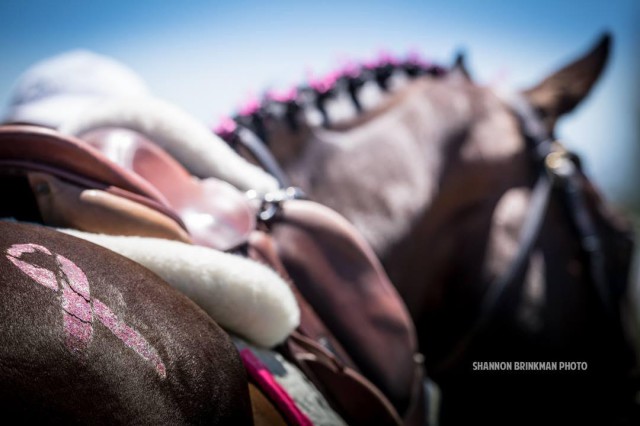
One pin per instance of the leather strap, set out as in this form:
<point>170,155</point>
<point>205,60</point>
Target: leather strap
<point>590,243</point>
<point>528,237</point>
<point>357,400</point>
<point>492,298</point>
<point>63,204</point>
<point>260,152</point>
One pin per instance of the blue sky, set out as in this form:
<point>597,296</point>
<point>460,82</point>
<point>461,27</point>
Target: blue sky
<point>208,56</point>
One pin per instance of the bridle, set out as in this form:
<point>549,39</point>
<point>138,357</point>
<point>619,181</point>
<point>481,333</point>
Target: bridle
<point>558,173</point>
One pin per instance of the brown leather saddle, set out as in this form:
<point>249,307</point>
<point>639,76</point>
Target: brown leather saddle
<point>349,309</point>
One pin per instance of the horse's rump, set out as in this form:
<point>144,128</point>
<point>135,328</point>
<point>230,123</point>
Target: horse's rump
<point>91,337</point>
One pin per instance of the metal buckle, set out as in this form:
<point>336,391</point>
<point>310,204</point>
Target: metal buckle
<point>270,204</point>
<point>559,162</point>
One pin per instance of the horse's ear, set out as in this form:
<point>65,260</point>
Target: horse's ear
<point>560,92</point>
<point>459,68</point>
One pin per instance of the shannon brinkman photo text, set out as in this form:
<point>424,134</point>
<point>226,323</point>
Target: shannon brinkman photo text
<point>529,366</point>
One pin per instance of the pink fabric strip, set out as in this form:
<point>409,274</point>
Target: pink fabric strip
<point>225,127</point>
<point>274,391</point>
<point>415,58</point>
<point>251,106</point>
<point>283,95</point>
<point>350,69</point>
<point>326,83</point>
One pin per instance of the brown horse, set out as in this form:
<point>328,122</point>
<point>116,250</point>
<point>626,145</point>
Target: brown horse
<point>441,177</point>
<point>89,337</point>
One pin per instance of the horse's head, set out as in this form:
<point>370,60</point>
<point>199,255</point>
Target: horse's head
<point>469,231</point>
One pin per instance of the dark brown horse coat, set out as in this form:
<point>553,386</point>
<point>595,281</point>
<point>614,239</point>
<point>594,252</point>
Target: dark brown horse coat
<point>89,337</point>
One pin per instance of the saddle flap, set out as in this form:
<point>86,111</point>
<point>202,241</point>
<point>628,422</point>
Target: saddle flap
<point>337,272</point>
<point>41,146</point>
<point>62,204</point>
<point>321,356</point>
<point>62,181</point>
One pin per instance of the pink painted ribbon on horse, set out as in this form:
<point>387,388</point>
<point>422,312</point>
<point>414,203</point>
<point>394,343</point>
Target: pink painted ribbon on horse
<point>40,275</point>
<point>129,336</point>
<point>78,307</point>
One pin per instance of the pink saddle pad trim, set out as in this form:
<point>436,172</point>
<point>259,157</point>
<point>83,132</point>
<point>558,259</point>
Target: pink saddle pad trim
<point>276,394</point>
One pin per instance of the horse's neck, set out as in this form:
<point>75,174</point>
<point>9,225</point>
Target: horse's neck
<point>287,142</point>
<point>381,173</point>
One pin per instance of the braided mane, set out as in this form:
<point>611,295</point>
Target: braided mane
<point>316,92</point>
